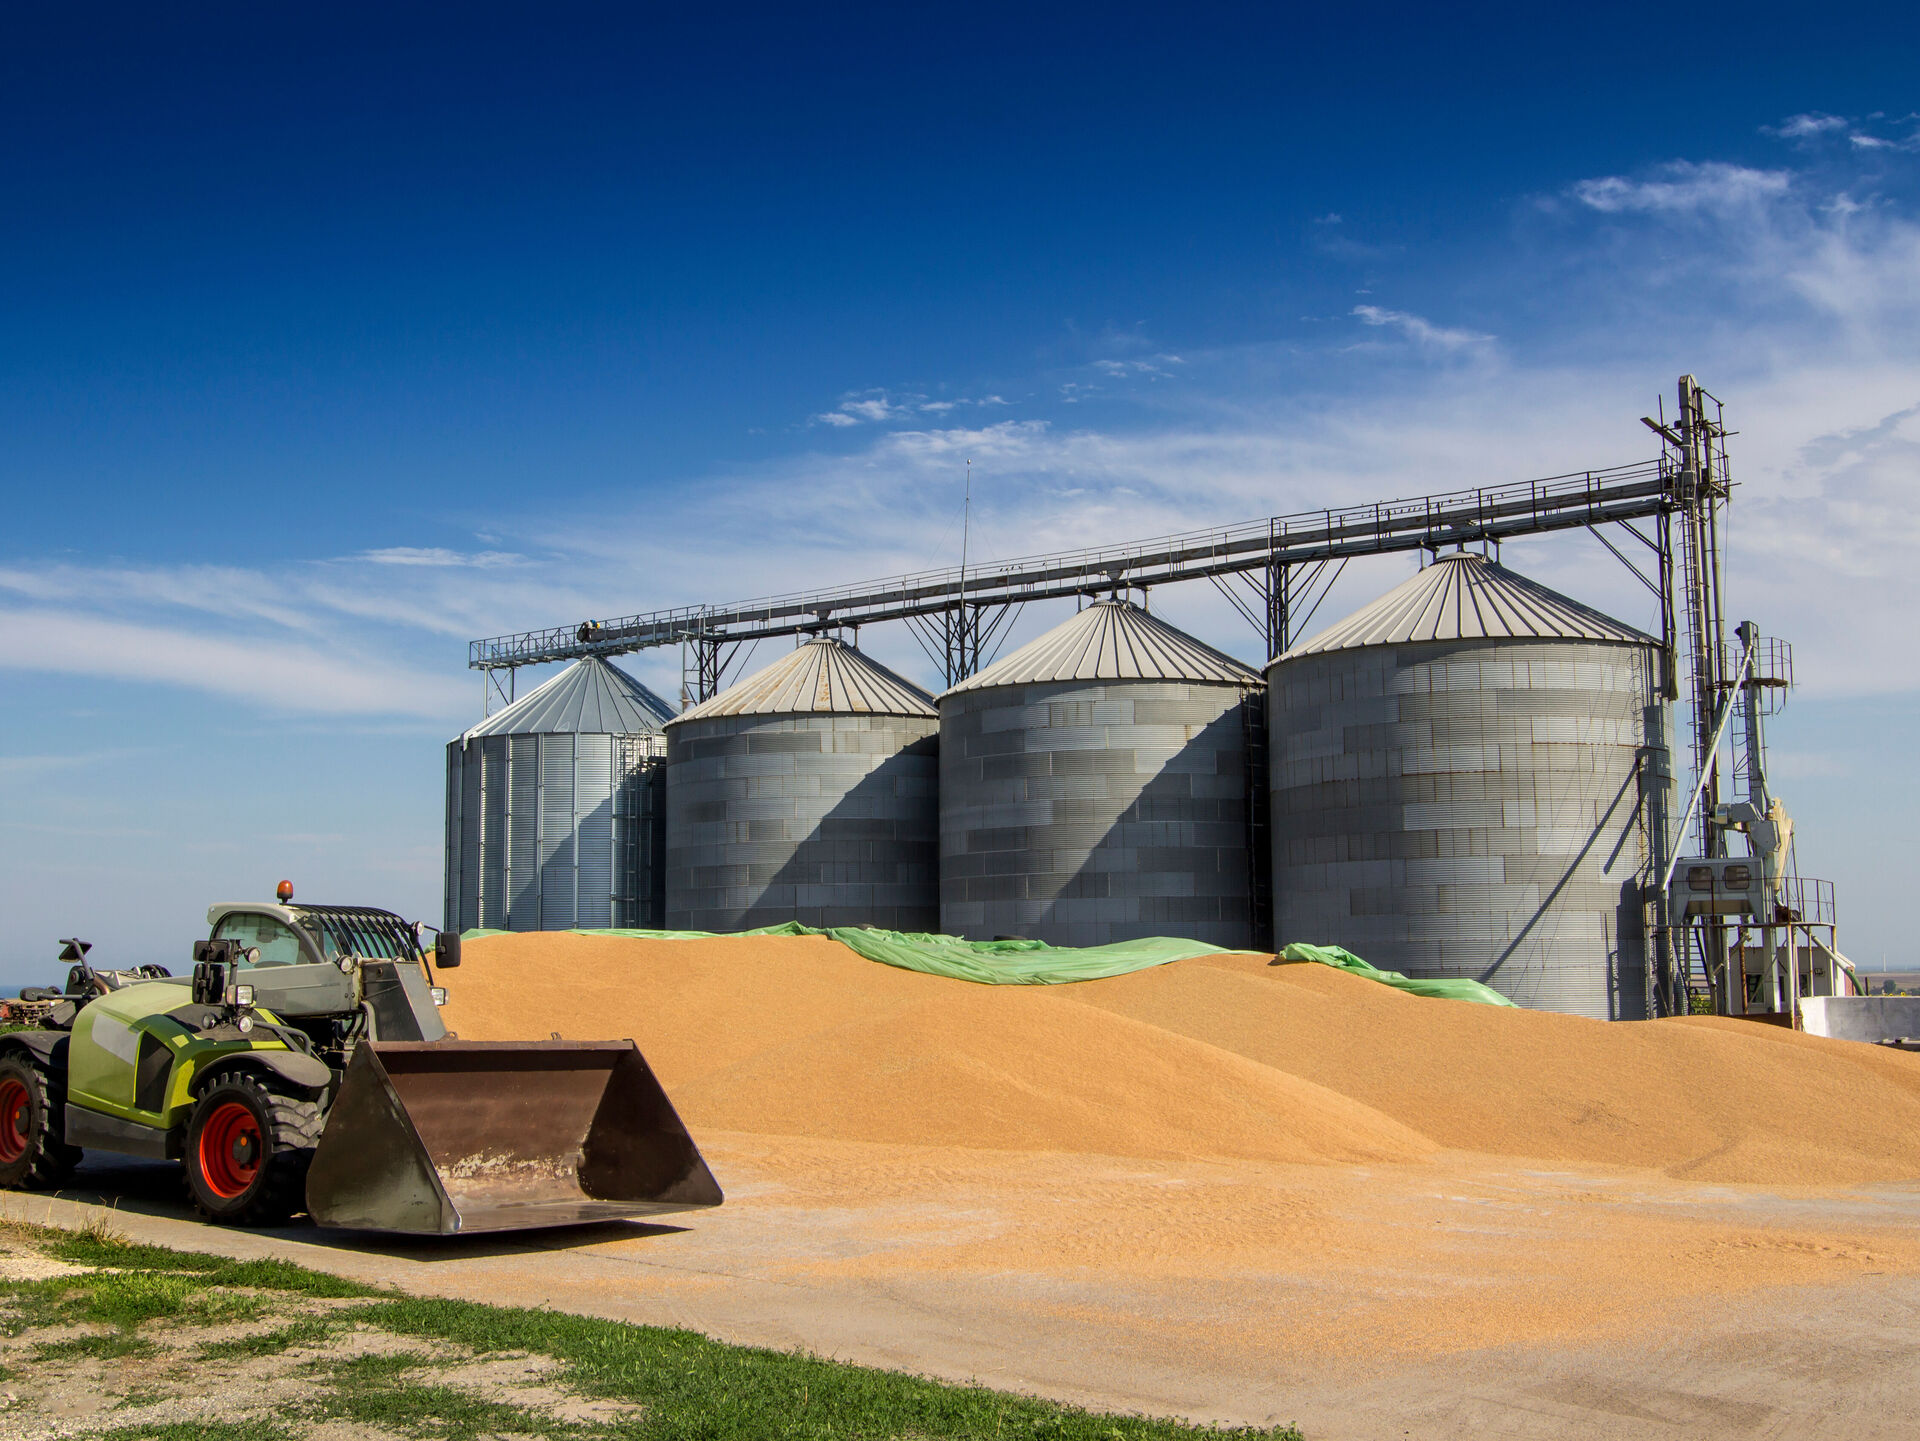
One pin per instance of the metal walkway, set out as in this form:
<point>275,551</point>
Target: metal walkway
<point>1276,563</point>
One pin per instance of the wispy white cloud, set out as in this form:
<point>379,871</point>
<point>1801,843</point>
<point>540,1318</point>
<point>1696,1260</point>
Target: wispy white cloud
<point>874,407</point>
<point>285,677</point>
<point>1682,187</point>
<point>24,767</point>
<point>1807,127</point>
<point>1881,142</point>
<point>1807,132</point>
<point>1420,331</point>
<point>439,557</point>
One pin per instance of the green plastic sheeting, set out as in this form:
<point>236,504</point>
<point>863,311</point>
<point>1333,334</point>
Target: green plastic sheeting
<point>1347,961</point>
<point>992,963</point>
<point>1035,963</point>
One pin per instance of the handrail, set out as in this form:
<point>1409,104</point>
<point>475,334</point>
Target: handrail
<point>1484,513</point>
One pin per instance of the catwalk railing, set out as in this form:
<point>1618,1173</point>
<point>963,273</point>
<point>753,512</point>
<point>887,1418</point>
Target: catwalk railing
<point>1500,512</point>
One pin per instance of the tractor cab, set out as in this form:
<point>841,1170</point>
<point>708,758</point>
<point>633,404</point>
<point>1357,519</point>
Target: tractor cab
<point>355,962</point>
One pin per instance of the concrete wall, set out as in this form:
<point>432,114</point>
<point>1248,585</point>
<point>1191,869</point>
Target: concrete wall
<point>1080,813</point>
<point>824,819</point>
<point>1468,809</point>
<point>1863,1018</point>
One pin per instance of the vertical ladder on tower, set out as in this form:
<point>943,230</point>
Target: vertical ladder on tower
<point>1253,729</point>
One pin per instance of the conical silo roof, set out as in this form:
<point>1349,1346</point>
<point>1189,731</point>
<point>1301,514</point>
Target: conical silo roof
<point>589,697</point>
<point>1468,597</point>
<point>1112,640</point>
<point>826,676</point>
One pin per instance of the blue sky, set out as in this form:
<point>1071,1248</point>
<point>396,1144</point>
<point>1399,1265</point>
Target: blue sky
<point>331,340</point>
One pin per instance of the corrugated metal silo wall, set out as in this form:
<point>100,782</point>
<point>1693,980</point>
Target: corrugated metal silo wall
<point>450,916</point>
<point>558,891</point>
<point>1082,813</point>
<point>829,820</point>
<point>493,818</point>
<point>1468,809</point>
<point>547,832</point>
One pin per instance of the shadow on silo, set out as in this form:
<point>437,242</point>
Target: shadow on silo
<point>1626,1001</point>
<point>872,860</point>
<point>1175,862</point>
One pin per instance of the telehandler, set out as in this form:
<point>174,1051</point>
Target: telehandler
<point>303,1066</point>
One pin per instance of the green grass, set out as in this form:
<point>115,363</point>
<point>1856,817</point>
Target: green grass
<point>127,1298</point>
<point>394,1404</point>
<point>683,1386</point>
<point>39,1303</point>
<point>110,1346</point>
<point>308,1331</point>
<point>100,1247</point>
<point>123,1300</point>
<point>692,1387</point>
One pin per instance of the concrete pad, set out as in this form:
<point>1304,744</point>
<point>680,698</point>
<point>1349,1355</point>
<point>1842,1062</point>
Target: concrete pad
<point>1464,1297</point>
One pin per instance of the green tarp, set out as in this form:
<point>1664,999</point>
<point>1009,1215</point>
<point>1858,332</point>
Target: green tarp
<point>1035,963</point>
<point>1347,961</point>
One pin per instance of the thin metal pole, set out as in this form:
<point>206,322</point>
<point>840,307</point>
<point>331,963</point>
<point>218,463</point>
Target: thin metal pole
<point>961,667</point>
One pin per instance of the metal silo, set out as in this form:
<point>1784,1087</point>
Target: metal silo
<point>1094,787</point>
<point>554,810</point>
<point>805,793</point>
<point>1456,788</point>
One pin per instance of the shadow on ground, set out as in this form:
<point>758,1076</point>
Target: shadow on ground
<point>156,1188</point>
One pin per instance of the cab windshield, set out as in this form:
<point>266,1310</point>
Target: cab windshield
<point>370,935</point>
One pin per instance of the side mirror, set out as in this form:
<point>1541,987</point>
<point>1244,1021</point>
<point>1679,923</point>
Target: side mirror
<point>446,951</point>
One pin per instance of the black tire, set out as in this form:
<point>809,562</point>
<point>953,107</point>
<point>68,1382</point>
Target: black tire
<point>247,1153</point>
<point>34,1155</point>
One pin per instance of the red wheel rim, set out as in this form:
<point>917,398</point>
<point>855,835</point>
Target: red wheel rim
<point>16,1120</point>
<point>230,1150</point>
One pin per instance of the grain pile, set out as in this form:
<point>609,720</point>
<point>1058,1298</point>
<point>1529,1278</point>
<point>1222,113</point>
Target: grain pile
<point>1217,1057</point>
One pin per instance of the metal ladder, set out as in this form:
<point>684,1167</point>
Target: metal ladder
<point>1253,730</point>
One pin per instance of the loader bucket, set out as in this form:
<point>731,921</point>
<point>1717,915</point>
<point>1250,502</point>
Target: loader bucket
<point>439,1137</point>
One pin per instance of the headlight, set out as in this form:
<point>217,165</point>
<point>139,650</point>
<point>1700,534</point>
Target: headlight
<point>245,1023</point>
<point>439,994</point>
<point>240,995</point>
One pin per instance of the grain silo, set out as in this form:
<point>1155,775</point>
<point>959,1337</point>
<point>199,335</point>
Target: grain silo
<point>1094,787</point>
<point>1456,774</point>
<point>553,807</point>
<point>805,793</point>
